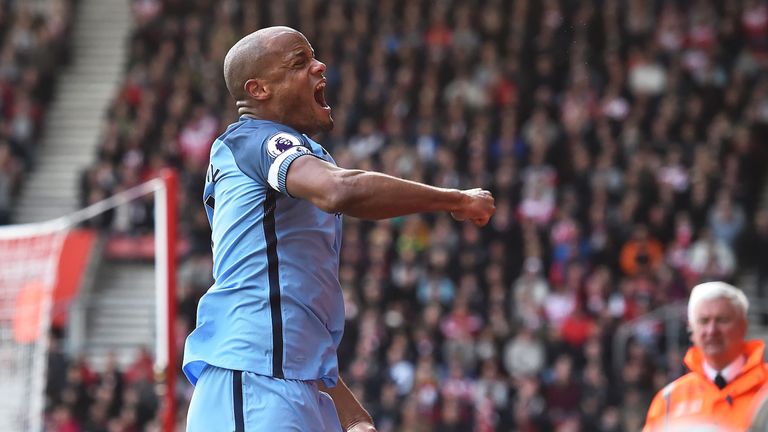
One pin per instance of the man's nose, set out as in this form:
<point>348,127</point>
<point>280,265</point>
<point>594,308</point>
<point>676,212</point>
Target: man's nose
<point>319,67</point>
<point>710,327</point>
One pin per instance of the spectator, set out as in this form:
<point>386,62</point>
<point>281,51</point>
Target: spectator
<point>530,293</point>
<point>524,355</point>
<point>726,220</point>
<point>711,258</point>
<point>757,248</point>
<point>561,392</point>
<point>10,175</point>
<point>641,254</point>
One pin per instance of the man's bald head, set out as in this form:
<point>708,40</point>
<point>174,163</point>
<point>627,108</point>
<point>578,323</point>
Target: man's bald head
<point>250,58</point>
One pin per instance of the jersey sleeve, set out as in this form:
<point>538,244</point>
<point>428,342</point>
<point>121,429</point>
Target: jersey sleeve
<point>268,160</point>
<point>279,168</point>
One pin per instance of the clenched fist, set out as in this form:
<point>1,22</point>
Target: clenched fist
<point>477,207</point>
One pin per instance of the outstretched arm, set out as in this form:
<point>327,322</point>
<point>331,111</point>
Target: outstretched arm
<point>372,195</point>
<point>352,415</point>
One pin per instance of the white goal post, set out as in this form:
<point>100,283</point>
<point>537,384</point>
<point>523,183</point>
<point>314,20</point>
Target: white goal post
<point>29,260</point>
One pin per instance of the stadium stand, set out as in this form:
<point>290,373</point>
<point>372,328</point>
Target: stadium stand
<point>624,142</point>
<point>34,44</point>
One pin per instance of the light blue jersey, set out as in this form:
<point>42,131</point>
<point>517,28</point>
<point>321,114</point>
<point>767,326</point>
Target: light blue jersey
<point>276,308</point>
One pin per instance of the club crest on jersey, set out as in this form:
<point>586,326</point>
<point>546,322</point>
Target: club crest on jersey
<point>281,142</point>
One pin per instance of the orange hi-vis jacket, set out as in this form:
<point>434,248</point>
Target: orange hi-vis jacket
<point>695,398</point>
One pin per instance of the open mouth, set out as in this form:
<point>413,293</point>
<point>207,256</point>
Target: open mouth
<point>320,95</point>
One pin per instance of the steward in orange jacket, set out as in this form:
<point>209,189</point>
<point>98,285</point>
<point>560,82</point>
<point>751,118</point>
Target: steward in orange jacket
<point>726,372</point>
<point>694,397</point>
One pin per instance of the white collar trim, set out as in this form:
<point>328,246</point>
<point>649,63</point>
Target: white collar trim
<point>730,372</point>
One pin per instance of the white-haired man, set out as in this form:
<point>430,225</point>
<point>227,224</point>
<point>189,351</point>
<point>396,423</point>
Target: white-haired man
<point>726,371</point>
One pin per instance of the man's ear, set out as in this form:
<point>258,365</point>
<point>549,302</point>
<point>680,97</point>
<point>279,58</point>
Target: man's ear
<point>257,89</point>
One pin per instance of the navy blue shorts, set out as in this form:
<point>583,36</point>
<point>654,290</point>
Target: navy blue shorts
<point>234,401</point>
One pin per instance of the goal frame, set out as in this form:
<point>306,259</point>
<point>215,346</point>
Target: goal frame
<point>164,187</point>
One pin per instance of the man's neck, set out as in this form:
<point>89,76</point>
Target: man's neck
<point>718,365</point>
<point>256,110</point>
<point>261,113</point>
<point>251,112</point>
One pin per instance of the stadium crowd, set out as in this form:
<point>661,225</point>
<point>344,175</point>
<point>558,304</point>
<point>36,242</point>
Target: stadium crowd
<point>623,141</point>
<point>34,44</point>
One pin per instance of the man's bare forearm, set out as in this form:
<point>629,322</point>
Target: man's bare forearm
<point>373,195</point>
<point>348,408</point>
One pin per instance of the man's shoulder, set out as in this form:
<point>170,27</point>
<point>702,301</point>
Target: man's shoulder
<point>251,134</point>
<point>246,129</point>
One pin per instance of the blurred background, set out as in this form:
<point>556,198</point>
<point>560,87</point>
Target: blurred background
<point>626,143</point>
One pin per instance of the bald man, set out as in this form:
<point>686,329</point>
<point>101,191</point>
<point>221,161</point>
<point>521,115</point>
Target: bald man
<point>263,354</point>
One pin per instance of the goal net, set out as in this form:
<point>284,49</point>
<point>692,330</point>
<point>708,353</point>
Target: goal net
<point>32,294</point>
